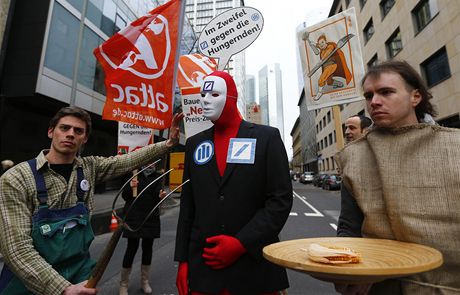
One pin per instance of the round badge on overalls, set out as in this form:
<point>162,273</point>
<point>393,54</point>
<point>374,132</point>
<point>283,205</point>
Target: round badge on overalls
<point>84,185</point>
<point>203,152</point>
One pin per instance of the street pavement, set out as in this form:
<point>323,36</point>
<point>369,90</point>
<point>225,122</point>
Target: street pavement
<point>102,212</point>
<point>314,214</point>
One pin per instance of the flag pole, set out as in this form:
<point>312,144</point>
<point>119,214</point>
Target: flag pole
<point>338,127</point>
<point>176,60</point>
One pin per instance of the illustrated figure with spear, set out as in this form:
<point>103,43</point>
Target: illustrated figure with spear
<point>335,72</point>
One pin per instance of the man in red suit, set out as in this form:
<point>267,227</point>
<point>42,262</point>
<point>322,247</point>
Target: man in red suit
<point>236,203</point>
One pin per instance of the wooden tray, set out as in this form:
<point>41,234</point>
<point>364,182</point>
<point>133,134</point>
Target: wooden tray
<point>381,259</point>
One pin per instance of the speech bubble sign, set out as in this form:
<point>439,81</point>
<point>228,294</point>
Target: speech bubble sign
<point>229,33</point>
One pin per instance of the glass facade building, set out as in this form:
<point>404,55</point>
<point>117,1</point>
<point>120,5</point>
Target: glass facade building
<point>200,12</point>
<point>49,63</point>
<point>271,97</point>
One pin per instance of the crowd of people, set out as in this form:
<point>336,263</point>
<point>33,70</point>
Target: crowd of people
<point>239,196</point>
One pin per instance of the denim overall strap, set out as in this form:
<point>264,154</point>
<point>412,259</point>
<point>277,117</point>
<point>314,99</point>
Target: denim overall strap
<point>80,181</point>
<point>61,236</point>
<point>42,194</point>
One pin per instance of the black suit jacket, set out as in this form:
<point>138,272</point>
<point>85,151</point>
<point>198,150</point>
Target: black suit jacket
<point>250,202</point>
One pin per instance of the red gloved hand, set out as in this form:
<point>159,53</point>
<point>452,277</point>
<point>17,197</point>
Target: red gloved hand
<point>226,251</point>
<point>182,278</point>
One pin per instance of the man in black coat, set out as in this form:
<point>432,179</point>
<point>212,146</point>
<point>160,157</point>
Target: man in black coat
<point>236,203</point>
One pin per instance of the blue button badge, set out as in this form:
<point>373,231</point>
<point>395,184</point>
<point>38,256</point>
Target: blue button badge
<point>203,152</point>
<point>241,150</point>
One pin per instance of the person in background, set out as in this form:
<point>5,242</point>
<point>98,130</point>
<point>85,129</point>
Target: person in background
<point>237,201</point>
<point>46,204</point>
<point>6,164</point>
<point>356,127</point>
<point>149,230</point>
<point>401,181</point>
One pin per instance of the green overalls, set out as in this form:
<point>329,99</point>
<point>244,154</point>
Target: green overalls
<point>61,236</point>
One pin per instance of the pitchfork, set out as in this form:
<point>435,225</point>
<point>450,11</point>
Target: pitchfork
<point>104,259</point>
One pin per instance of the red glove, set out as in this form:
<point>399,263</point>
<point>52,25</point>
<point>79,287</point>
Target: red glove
<point>182,278</point>
<point>224,253</point>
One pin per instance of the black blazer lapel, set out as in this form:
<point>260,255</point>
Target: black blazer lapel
<point>212,164</point>
<point>245,131</point>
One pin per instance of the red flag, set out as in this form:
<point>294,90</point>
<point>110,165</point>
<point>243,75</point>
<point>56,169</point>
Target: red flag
<point>139,64</point>
<point>193,68</point>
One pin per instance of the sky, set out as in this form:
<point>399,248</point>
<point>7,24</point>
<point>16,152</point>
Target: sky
<point>277,44</point>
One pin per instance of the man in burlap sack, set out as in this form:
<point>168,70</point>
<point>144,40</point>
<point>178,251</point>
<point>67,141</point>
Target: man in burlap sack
<point>402,180</point>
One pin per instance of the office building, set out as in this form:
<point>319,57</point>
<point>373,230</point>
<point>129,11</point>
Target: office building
<point>253,113</point>
<point>250,89</point>
<point>48,63</point>
<point>271,97</point>
<point>200,13</point>
<point>425,33</point>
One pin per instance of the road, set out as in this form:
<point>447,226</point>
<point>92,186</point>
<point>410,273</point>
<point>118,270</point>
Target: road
<point>314,214</point>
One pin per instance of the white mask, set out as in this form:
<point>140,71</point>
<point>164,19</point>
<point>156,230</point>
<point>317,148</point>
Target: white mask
<point>214,95</point>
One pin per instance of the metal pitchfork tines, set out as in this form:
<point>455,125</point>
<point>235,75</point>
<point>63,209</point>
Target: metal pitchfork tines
<point>104,259</point>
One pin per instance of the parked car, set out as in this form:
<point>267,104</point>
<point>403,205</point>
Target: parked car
<point>332,182</point>
<point>306,177</point>
<point>318,180</point>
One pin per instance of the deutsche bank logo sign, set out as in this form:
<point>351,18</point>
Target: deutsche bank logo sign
<point>241,150</point>
<point>203,152</point>
<point>208,85</point>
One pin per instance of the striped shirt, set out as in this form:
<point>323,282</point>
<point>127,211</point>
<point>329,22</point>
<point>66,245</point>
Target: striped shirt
<point>18,201</point>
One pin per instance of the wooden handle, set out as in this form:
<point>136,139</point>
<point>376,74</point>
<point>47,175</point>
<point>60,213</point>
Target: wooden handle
<point>104,259</point>
<point>134,188</point>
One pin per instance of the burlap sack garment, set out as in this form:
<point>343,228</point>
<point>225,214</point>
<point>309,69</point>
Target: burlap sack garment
<point>407,183</point>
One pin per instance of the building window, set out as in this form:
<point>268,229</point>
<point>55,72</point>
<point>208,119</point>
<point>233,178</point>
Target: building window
<point>368,31</point>
<point>87,70</point>
<point>372,62</point>
<point>385,7</point>
<point>329,116</point>
<point>78,4</point>
<point>423,13</point>
<point>324,122</point>
<point>394,44</point>
<point>436,68</point>
<point>330,138</point>
<point>62,42</point>
<point>362,3</point>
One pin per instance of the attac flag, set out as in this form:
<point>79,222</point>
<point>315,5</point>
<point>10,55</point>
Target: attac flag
<point>139,66</point>
<point>193,68</point>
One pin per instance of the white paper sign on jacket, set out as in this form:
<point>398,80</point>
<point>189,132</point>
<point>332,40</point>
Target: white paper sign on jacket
<point>332,64</point>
